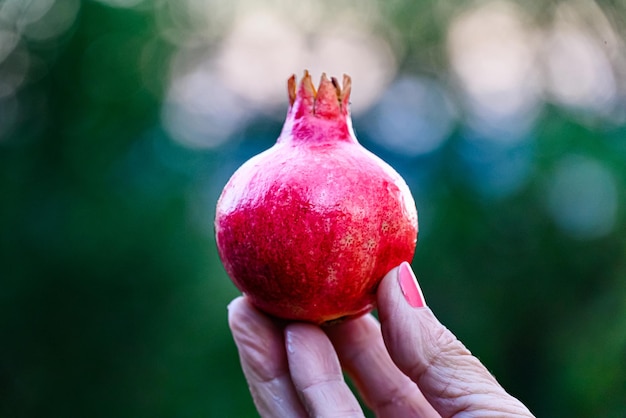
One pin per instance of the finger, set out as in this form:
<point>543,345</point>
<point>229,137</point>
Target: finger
<point>385,389</point>
<point>448,375</point>
<point>316,373</point>
<point>264,361</point>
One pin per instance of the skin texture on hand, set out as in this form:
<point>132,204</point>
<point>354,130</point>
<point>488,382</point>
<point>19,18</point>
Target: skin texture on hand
<point>408,365</point>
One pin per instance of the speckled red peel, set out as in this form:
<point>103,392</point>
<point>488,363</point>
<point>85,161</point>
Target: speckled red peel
<point>308,228</point>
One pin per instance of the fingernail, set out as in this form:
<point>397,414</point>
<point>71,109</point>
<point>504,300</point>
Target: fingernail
<point>409,286</point>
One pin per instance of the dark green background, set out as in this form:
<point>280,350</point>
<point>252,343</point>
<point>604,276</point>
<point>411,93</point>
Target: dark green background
<point>112,298</point>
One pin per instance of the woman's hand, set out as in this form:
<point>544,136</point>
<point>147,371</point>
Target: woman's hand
<point>408,365</point>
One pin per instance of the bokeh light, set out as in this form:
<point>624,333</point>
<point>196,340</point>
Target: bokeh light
<point>493,53</point>
<point>579,71</point>
<point>414,116</point>
<point>200,111</point>
<point>582,197</point>
<point>258,49</point>
<point>43,21</point>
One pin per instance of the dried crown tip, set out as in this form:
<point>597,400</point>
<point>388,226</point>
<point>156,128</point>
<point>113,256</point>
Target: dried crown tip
<point>343,92</point>
<point>291,89</point>
<point>347,87</point>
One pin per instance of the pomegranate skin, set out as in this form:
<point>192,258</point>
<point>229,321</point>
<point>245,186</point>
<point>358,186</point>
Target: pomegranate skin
<point>308,228</point>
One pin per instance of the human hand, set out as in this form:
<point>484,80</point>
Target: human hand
<point>408,365</point>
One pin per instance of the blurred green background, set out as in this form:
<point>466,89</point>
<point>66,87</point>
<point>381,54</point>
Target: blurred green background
<point>121,120</point>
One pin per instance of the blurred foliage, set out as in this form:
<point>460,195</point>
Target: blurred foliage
<point>112,297</point>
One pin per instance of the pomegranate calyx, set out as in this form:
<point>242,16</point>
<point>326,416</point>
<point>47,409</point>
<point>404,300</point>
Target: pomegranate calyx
<point>321,115</point>
<point>329,101</point>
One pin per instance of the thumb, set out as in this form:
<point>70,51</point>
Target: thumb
<point>451,379</point>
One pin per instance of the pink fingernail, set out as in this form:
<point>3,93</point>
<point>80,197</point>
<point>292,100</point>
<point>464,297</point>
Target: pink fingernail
<point>409,286</point>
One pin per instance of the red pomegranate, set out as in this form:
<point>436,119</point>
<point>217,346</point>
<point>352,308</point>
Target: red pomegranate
<point>308,228</point>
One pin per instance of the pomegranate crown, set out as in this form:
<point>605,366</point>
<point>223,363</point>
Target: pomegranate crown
<point>320,115</point>
<point>329,101</point>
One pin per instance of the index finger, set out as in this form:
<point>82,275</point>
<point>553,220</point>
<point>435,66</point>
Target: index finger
<point>317,375</point>
<point>264,361</point>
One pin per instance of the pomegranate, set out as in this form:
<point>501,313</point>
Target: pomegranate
<point>308,228</point>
